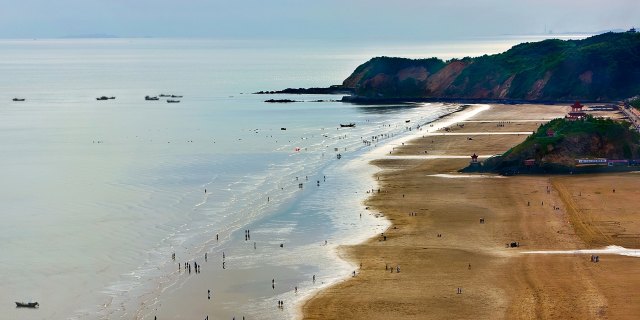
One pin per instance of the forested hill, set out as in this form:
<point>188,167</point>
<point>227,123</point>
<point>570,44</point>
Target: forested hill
<point>600,68</point>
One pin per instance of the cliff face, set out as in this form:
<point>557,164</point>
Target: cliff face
<point>599,68</point>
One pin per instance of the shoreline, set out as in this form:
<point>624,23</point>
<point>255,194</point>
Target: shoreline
<point>239,289</point>
<point>365,160</point>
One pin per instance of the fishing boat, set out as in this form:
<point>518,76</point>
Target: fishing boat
<point>350,125</point>
<point>105,98</point>
<point>18,99</point>
<point>148,98</point>
<point>27,304</point>
<point>173,101</point>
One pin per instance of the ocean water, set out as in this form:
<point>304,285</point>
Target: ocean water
<point>95,196</point>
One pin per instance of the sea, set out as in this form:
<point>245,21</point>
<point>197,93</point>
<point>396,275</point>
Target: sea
<point>103,202</point>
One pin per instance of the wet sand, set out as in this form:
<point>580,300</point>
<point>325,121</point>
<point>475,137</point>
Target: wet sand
<point>422,201</point>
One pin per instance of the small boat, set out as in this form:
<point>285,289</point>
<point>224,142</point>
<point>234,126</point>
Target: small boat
<point>18,99</point>
<point>350,125</point>
<point>407,121</point>
<point>148,98</point>
<point>174,96</point>
<point>173,101</point>
<point>165,95</point>
<point>27,304</point>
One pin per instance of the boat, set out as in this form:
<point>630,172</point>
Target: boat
<point>148,98</point>
<point>18,99</point>
<point>27,304</point>
<point>173,101</point>
<point>105,98</point>
<point>174,96</point>
<point>165,95</point>
<point>350,125</point>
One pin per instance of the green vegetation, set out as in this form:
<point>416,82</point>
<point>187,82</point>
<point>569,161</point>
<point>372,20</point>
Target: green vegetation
<point>599,68</point>
<point>561,141</point>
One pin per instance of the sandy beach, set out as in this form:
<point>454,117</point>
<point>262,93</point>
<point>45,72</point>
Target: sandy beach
<point>453,266</point>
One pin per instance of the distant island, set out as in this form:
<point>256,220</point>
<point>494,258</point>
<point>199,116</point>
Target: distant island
<point>335,89</point>
<point>604,67</point>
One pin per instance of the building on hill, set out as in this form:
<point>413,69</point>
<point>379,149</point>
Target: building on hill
<point>576,112</point>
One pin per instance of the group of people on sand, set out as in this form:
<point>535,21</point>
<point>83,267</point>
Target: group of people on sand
<point>187,267</point>
<point>386,267</point>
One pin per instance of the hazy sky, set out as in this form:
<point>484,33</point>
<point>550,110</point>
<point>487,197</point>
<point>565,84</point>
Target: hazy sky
<point>317,19</point>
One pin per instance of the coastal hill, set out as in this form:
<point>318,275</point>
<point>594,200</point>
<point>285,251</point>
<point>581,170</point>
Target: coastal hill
<point>556,145</point>
<point>604,67</point>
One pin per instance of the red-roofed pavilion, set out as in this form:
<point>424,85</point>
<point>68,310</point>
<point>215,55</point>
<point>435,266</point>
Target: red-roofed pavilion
<point>576,112</point>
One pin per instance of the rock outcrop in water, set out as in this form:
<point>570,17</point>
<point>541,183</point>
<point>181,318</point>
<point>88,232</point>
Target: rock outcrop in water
<point>600,68</point>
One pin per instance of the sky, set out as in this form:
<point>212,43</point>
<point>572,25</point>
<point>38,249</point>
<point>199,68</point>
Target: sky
<point>312,19</point>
